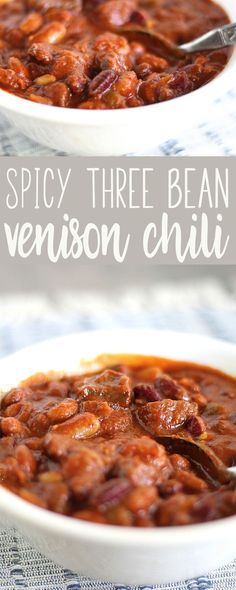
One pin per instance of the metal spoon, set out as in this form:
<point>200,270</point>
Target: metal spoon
<point>224,36</point>
<point>202,457</point>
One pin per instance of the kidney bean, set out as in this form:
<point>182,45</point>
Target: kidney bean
<point>50,33</point>
<point>146,392</point>
<point>143,70</point>
<point>110,493</point>
<point>81,426</point>
<point>169,388</point>
<point>196,426</point>
<point>102,82</point>
<point>64,410</point>
<point>138,17</point>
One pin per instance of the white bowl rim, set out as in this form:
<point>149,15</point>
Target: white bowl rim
<point>71,527</point>
<point>90,118</point>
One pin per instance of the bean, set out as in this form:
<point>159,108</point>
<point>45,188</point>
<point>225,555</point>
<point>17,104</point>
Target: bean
<point>44,80</point>
<point>147,392</point>
<point>41,52</point>
<point>149,373</point>
<point>15,395</point>
<point>38,424</point>
<point>102,83</point>
<point>81,426</point>
<point>64,410</point>
<point>99,408</point>
<point>110,493</point>
<point>157,64</point>
<point>26,460</point>
<point>21,410</point>
<point>39,99</point>
<point>169,388</point>
<point>31,23</point>
<point>13,427</point>
<point>51,33</point>
<point>196,426</point>
<point>59,15</point>
<point>64,65</point>
<point>58,93</point>
<point>50,476</point>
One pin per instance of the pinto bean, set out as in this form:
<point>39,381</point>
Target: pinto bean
<point>81,426</point>
<point>51,33</point>
<point>62,411</point>
<point>13,427</point>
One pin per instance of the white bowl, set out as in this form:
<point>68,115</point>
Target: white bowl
<point>117,132</point>
<point>117,554</point>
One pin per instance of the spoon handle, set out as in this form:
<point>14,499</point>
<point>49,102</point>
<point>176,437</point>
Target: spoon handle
<point>220,37</point>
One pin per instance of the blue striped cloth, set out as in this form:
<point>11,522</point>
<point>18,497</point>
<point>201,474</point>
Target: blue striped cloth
<point>215,136</point>
<point>25,320</point>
